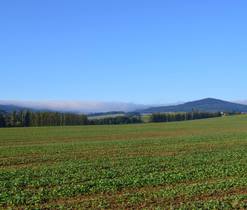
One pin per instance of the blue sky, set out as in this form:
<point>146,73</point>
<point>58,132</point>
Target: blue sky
<point>145,52</point>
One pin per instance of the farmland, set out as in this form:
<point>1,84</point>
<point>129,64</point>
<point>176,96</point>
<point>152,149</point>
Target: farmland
<point>179,165</point>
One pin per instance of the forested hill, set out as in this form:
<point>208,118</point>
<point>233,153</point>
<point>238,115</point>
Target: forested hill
<point>11,108</point>
<point>204,105</point>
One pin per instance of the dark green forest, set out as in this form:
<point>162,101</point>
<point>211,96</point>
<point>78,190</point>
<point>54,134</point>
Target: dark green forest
<point>35,119</point>
<point>171,117</point>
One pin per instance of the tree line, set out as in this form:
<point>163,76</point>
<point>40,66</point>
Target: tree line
<point>34,119</point>
<point>116,120</point>
<point>171,117</point>
<point>28,119</point>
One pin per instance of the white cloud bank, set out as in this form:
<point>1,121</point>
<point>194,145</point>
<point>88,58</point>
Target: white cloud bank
<point>244,102</point>
<point>76,106</point>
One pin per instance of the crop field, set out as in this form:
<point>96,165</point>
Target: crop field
<point>179,165</point>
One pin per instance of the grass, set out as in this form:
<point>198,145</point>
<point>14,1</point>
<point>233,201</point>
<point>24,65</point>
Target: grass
<point>105,116</point>
<point>146,118</point>
<point>179,165</point>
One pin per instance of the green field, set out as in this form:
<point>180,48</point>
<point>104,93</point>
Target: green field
<point>180,165</point>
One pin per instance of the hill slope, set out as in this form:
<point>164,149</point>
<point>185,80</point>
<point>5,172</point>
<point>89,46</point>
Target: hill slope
<point>11,108</point>
<point>204,105</point>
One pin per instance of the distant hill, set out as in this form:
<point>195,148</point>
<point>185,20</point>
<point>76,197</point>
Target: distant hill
<point>204,105</point>
<point>11,108</point>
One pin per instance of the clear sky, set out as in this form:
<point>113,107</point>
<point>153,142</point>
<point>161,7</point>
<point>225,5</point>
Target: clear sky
<point>123,50</point>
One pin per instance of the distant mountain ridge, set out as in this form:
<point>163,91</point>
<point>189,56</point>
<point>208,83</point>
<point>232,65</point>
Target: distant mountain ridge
<point>204,105</point>
<point>11,108</point>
